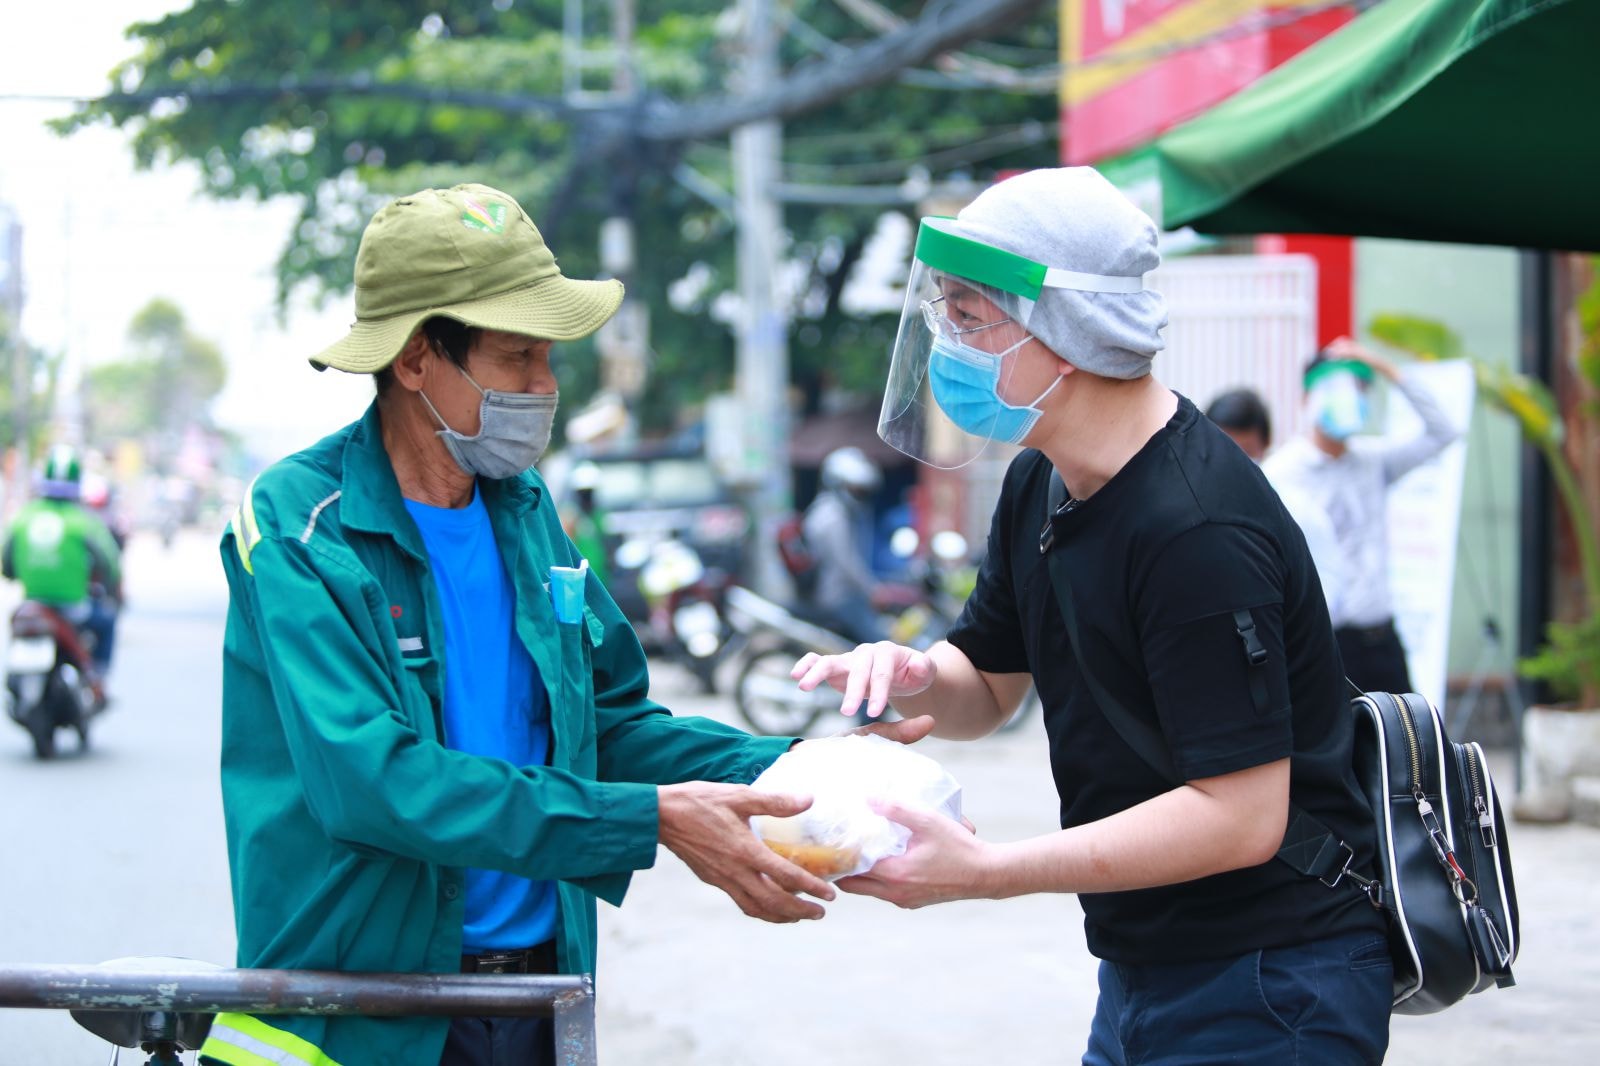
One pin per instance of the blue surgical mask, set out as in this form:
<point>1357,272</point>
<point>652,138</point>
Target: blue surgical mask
<point>1340,405</point>
<point>966,385</point>
<point>513,432</point>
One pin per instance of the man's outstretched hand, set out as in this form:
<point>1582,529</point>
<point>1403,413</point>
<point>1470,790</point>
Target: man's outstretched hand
<point>707,825</point>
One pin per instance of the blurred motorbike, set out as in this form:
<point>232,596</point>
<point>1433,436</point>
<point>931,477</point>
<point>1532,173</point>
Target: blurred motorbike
<point>684,598</point>
<point>50,679</point>
<point>929,600</point>
<point>944,576</point>
<point>774,638</point>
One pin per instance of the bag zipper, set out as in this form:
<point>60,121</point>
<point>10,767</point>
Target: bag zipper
<point>1463,887</point>
<point>1480,803</point>
<point>1413,746</point>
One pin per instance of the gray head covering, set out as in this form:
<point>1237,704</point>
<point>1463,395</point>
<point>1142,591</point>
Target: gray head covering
<point>1074,219</point>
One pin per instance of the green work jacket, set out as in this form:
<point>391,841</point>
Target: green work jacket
<point>349,820</point>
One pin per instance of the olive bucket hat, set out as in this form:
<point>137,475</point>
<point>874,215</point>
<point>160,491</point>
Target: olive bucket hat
<point>470,253</point>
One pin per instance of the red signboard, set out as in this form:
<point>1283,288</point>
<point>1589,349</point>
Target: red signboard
<point>1135,68</point>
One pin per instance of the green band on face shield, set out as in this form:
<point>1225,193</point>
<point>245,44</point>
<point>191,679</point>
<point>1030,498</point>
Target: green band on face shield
<point>1333,366</point>
<point>951,253</point>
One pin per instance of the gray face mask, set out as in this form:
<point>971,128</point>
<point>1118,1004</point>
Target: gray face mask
<point>513,432</point>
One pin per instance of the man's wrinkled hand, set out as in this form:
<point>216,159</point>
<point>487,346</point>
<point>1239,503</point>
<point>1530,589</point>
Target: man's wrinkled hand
<point>707,825</point>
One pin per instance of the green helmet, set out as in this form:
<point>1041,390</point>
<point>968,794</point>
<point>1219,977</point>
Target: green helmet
<point>63,474</point>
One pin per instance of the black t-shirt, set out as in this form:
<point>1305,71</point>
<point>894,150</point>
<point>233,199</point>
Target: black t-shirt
<point>1158,560</point>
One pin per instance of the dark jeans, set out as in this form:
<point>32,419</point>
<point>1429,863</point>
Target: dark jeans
<point>1373,657</point>
<point>1320,1004</point>
<point>500,1042</point>
<point>504,1041</point>
<point>98,615</point>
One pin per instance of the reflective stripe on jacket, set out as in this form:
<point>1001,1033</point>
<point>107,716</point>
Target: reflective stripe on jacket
<point>349,821</point>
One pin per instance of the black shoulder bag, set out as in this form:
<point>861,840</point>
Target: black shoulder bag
<point>1443,879</point>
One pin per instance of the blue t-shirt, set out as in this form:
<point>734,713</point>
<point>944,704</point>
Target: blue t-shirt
<point>494,704</point>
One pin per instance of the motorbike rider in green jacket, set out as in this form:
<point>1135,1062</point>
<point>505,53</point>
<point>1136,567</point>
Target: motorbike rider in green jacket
<point>65,556</point>
<point>358,821</point>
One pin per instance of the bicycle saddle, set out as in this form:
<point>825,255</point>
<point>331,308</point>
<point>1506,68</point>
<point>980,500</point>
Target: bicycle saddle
<point>135,1026</point>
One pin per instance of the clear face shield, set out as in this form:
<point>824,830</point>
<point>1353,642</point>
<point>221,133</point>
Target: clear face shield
<point>1336,398</point>
<point>954,378</point>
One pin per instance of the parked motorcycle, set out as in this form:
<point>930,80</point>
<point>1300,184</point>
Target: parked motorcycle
<point>775,637</point>
<point>917,612</point>
<point>945,575</point>
<point>49,677</point>
<point>686,611</point>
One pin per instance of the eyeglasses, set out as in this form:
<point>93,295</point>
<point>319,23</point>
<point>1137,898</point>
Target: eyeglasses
<point>940,324</point>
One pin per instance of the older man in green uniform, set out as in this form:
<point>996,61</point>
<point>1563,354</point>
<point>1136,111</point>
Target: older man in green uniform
<point>438,747</point>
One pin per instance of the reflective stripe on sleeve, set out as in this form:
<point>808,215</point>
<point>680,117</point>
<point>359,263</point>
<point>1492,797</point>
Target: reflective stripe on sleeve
<point>246,534</point>
<point>245,1040</point>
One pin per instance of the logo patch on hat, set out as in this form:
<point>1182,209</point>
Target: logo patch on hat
<point>490,219</point>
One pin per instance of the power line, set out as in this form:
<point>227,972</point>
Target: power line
<point>803,90</point>
<point>1022,135</point>
<point>687,121</point>
<point>862,67</point>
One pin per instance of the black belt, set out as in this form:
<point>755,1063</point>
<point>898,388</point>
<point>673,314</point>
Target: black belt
<point>538,959</point>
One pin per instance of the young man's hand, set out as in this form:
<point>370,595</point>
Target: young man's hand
<point>873,672</point>
<point>1355,351</point>
<point>904,731</point>
<point>707,825</point>
<point>944,861</point>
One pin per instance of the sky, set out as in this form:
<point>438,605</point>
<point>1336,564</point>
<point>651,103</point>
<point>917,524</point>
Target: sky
<point>100,240</point>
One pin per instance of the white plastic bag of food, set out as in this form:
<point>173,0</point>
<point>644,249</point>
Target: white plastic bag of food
<point>839,835</point>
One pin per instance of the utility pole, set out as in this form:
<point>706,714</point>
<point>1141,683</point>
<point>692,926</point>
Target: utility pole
<point>763,323</point>
<point>21,372</point>
<point>624,341</point>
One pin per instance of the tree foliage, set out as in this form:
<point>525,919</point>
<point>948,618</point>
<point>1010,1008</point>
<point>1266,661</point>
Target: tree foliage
<point>164,385</point>
<point>342,152</point>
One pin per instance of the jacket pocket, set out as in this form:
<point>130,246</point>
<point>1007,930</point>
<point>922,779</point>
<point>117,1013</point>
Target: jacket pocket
<point>572,703</point>
<point>423,695</point>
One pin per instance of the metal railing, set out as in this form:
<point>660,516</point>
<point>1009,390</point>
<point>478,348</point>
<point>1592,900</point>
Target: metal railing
<point>569,1000</point>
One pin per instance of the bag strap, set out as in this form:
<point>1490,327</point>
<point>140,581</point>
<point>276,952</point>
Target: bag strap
<point>1309,847</point>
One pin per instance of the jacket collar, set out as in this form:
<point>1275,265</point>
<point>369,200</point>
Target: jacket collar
<point>370,497</point>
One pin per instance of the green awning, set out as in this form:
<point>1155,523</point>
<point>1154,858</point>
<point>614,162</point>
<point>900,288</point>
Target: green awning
<point>1442,120</point>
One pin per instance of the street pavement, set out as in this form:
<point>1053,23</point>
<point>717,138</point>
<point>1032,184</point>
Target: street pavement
<point>120,852</point>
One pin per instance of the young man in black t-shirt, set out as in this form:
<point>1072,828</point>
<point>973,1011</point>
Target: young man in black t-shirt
<point>1194,609</point>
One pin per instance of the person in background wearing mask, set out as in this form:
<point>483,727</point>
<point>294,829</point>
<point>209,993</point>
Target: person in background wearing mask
<point>438,748</point>
<point>1137,562</point>
<point>1242,415</point>
<point>1348,477</point>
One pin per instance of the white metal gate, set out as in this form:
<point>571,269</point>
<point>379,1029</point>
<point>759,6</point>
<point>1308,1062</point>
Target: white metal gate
<point>1240,320</point>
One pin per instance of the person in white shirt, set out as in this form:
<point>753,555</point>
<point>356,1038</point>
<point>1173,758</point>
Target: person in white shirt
<point>1349,477</point>
<point>1243,416</point>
